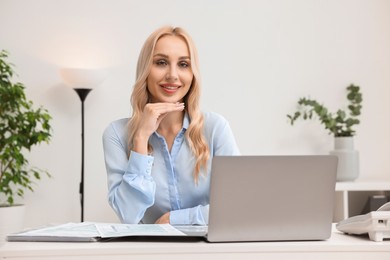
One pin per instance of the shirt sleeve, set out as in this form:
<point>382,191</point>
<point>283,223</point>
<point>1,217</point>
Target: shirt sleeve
<point>198,215</point>
<point>224,142</point>
<point>131,189</point>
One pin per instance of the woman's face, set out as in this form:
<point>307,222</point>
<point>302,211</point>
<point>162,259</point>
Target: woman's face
<point>171,75</point>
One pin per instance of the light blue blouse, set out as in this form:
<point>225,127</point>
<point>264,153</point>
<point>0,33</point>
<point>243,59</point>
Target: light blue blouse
<point>142,188</point>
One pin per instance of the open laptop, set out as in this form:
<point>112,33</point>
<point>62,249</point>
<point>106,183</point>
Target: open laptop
<point>270,198</point>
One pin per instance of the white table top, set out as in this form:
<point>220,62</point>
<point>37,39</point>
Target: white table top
<point>338,243</point>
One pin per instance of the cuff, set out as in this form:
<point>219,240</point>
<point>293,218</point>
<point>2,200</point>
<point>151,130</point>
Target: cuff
<point>192,216</point>
<point>180,217</point>
<point>140,163</point>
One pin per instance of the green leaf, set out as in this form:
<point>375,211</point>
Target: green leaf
<point>21,127</point>
<point>339,123</point>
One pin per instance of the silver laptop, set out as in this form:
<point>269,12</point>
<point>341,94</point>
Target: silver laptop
<point>271,198</point>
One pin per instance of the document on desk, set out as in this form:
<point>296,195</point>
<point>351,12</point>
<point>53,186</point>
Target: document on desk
<point>89,232</point>
<point>73,232</point>
<point>124,230</point>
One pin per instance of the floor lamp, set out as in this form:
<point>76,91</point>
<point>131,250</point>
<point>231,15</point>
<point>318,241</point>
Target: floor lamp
<point>82,81</point>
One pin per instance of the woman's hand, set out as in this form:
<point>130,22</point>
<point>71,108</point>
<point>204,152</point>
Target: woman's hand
<point>164,219</point>
<point>152,116</point>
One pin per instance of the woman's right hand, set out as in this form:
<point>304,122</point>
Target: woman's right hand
<point>152,116</point>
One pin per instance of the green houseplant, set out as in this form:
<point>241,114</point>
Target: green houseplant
<point>341,125</point>
<point>338,124</point>
<point>21,127</point>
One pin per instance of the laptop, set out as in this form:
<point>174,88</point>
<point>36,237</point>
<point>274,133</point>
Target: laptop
<point>270,198</point>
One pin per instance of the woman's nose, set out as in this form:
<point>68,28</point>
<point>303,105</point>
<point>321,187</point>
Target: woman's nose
<point>172,74</point>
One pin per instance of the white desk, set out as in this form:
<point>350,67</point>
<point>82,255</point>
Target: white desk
<point>339,246</point>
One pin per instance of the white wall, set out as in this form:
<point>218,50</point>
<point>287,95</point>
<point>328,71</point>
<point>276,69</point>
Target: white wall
<point>257,58</point>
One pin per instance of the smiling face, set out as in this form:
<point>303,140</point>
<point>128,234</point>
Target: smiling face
<point>171,75</point>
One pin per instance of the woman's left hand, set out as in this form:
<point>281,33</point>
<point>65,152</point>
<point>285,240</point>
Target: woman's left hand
<point>164,219</point>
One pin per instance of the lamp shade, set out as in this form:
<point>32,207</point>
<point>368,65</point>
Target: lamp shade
<point>82,78</point>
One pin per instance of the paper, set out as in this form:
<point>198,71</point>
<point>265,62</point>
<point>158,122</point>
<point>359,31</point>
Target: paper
<point>123,230</point>
<point>66,230</point>
<point>88,231</point>
<point>85,231</point>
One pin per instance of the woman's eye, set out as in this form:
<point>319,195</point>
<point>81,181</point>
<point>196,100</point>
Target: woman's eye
<point>161,62</point>
<point>184,64</point>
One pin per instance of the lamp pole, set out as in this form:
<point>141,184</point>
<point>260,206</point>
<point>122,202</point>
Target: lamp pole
<point>82,81</point>
<point>82,93</point>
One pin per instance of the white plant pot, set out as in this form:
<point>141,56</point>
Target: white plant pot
<point>11,220</point>
<point>348,164</point>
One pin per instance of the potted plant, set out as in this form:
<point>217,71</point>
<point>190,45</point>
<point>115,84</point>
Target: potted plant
<point>341,125</point>
<point>21,128</point>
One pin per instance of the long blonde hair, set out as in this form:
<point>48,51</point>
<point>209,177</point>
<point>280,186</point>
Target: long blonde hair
<point>140,96</point>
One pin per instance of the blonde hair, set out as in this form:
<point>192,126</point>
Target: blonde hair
<point>140,96</point>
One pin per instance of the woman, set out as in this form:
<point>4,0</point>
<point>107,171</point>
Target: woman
<point>158,161</point>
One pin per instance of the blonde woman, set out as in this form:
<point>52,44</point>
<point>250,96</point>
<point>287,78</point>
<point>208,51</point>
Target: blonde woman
<point>158,161</point>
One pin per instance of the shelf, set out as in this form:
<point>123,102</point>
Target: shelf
<point>360,185</point>
<point>351,197</point>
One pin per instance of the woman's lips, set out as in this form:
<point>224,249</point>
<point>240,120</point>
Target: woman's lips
<point>169,88</point>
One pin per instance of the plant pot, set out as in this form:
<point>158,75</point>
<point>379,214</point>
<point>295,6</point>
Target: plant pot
<point>11,220</point>
<point>348,165</point>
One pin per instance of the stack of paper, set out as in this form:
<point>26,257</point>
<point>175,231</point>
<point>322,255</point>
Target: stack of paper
<point>87,232</point>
